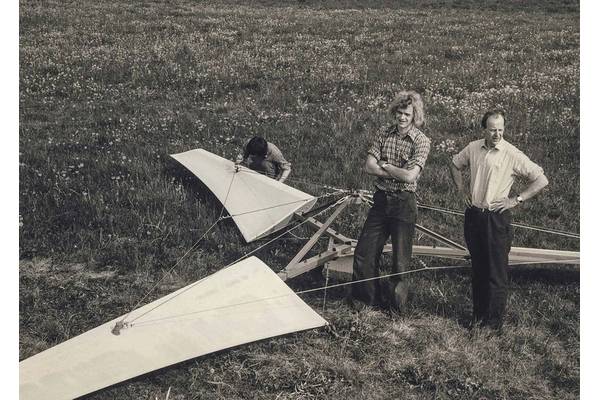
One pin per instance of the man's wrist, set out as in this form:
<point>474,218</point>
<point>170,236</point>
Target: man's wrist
<point>517,200</point>
<point>384,172</point>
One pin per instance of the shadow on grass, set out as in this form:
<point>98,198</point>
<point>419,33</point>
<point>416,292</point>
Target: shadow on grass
<point>192,184</point>
<point>444,294</point>
<point>552,275</point>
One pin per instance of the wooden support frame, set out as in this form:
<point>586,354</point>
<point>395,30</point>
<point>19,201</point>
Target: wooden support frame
<point>315,261</point>
<point>295,268</point>
<point>340,250</point>
<point>334,235</point>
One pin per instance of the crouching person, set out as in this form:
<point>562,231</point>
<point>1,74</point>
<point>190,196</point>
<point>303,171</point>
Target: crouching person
<point>264,157</point>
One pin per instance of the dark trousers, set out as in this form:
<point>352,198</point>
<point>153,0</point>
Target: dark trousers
<point>489,237</point>
<point>393,214</point>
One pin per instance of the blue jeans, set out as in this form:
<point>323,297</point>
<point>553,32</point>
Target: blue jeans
<point>393,214</point>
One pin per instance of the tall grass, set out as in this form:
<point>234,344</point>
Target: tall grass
<point>109,89</point>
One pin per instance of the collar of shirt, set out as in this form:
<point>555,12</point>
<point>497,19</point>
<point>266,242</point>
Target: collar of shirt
<point>412,132</point>
<point>499,146</point>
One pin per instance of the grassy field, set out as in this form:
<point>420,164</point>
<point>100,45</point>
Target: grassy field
<point>108,89</point>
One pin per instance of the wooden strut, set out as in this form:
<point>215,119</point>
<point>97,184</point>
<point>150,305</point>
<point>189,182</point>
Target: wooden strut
<point>295,268</point>
<point>340,245</point>
<point>437,236</point>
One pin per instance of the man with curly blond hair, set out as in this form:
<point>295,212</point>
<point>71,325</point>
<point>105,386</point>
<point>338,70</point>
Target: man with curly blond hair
<point>396,158</point>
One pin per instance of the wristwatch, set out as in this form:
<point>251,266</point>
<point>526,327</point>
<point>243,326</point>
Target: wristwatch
<point>520,199</point>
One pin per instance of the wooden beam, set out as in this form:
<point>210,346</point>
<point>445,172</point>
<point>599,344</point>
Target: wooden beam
<point>329,231</point>
<point>443,252</point>
<point>544,252</point>
<point>341,267</point>
<point>429,251</point>
<point>315,261</point>
<point>311,242</point>
<point>531,255</point>
<point>340,248</point>
<point>440,238</point>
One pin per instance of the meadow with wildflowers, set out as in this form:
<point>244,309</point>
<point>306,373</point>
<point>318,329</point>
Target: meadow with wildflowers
<point>108,89</point>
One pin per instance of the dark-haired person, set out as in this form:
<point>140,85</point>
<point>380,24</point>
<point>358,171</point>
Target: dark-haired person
<point>396,158</point>
<point>493,164</point>
<point>264,157</point>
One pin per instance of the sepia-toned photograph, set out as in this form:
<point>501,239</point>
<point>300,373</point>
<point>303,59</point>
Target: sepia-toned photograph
<point>298,199</point>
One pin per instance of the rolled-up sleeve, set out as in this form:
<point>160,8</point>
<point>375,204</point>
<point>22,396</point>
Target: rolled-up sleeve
<point>422,147</point>
<point>461,160</point>
<point>375,149</point>
<point>524,167</point>
<point>276,156</point>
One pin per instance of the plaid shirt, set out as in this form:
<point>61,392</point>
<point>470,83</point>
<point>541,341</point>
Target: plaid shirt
<point>405,152</point>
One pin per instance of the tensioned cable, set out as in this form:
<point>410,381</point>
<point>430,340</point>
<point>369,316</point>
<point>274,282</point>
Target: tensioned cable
<point>366,193</point>
<point>323,288</point>
<point>316,184</point>
<point>279,205</point>
<point>412,271</point>
<point>319,185</point>
<point>227,196</point>
<point>239,259</point>
<point>370,202</point>
<point>558,261</point>
<point>441,209</point>
<point>230,264</point>
<point>185,254</point>
<point>516,224</point>
<point>326,287</point>
<point>307,214</point>
<point>329,187</point>
<point>546,230</point>
<point>365,198</point>
<point>204,235</point>
<point>294,237</point>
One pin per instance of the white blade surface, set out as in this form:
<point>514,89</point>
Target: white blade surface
<point>259,205</point>
<point>240,304</point>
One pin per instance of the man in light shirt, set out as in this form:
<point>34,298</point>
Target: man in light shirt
<point>493,164</point>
